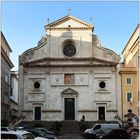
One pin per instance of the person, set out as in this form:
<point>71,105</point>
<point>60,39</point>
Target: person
<point>83,118</point>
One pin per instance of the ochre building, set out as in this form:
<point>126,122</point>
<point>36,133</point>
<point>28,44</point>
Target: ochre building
<point>130,74</point>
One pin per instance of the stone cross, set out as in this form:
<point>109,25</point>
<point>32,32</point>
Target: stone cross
<point>69,10</point>
<point>48,20</point>
<point>91,20</point>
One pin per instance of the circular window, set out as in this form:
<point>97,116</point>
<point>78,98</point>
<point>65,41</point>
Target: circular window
<point>102,84</point>
<point>69,49</point>
<point>36,85</point>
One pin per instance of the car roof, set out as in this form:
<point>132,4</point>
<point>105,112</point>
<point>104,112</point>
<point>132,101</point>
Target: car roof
<point>15,132</point>
<point>106,123</point>
<point>40,128</point>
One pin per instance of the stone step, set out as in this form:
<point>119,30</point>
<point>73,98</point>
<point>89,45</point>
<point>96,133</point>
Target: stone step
<point>71,136</point>
<point>70,127</point>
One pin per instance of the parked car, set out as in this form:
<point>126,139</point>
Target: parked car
<point>45,130</point>
<point>5,128</point>
<point>117,134</point>
<point>49,134</point>
<point>35,132</point>
<point>17,135</point>
<point>133,132</point>
<point>21,127</point>
<point>100,129</point>
<point>39,133</point>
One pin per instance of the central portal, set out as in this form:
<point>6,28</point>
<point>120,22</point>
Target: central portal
<point>69,108</point>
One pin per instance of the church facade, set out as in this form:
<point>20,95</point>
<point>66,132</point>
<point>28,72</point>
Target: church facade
<point>68,75</point>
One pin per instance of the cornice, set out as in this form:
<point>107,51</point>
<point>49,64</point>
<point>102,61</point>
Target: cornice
<point>87,110</point>
<point>6,58</point>
<point>48,110</point>
<point>128,72</point>
<point>68,28</point>
<point>70,65</point>
<point>91,59</point>
<point>134,45</point>
<point>136,29</point>
<point>52,110</point>
<point>4,39</point>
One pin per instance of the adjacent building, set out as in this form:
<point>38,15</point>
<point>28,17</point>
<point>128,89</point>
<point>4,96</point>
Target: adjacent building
<point>6,66</point>
<point>14,97</point>
<point>68,75</point>
<point>130,74</point>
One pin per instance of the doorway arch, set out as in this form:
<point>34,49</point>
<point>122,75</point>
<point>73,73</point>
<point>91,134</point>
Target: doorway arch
<point>69,104</point>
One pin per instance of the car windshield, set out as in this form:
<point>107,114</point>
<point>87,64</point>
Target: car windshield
<point>28,136</point>
<point>42,130</point>
<point>92,126</point>
<point>42,133</point>
<point>38,132</point>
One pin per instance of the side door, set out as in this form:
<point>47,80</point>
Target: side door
<point>97,129</point>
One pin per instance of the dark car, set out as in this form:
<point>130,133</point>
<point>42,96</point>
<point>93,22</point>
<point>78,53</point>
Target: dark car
<point>50,134</point>
<point>89,135</point>
<point>44,130</point>
<point>134,133</point>
<point>35,132</point>
<point>5,128</point>
<point>117,134</point>
<point>39,133</point>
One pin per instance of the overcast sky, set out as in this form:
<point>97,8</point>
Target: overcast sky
<point>23,22</point>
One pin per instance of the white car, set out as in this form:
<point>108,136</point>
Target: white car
<point>19,134</point>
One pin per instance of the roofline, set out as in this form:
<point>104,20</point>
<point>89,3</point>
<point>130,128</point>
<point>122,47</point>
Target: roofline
<point>6,58</point>
<point>130,38</point>
<point>2,36</point>
<point>66,17</point>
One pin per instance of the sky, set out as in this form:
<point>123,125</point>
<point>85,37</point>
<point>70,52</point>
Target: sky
<point>22,22</point>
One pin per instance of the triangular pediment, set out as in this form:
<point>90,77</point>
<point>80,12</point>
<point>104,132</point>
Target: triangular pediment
<point>69,91</point>
<point>68,22</point>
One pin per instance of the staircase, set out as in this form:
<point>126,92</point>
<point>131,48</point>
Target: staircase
<point>70,130</point>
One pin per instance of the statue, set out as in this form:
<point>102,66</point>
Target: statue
<point>96,41</point>
<point>42,40</point>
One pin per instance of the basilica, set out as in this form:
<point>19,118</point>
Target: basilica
<point>69,74</point>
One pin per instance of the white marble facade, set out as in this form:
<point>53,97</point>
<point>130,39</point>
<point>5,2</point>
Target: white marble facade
<point>69,74</point>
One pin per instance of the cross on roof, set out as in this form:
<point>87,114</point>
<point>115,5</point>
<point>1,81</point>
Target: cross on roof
<point>69,10</point>
<point>91,20</point>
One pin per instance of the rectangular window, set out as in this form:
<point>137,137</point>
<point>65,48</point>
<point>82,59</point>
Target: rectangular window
<point>6,98</point>
<point>128,81</point>
<point>6,78</point>
<point>129,96</point>
<point>69,79</point>
<point>5,115</point>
